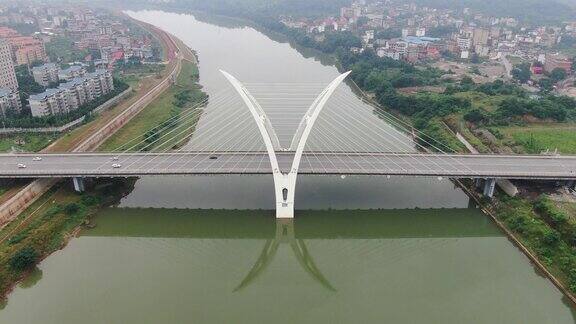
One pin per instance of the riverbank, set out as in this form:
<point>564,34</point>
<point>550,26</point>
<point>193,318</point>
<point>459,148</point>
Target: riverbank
<point>161,110</point>
<point>537,238</point>
<point>34,232</point>
<point>48,224</point>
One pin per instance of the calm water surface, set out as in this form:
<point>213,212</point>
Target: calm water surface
<point>207,249</point>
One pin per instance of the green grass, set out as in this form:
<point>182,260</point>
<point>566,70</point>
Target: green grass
<point>159,111</point>
<point>27,142</point>
<point>133,74</point>
<point>481,100</point>
<point>537,235</point>
<point>537,138</point>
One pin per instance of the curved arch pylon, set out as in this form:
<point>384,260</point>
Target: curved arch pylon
<point>285,183</point>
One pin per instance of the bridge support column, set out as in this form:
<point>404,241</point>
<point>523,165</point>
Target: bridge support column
<point>284,187</point>
<point>78,184</point>
<point>478,182</point>
<point>489,186</point>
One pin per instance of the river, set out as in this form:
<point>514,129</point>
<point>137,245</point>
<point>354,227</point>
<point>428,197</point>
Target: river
<point>207,249</point>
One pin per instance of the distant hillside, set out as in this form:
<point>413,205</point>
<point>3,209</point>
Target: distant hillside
<point>534,11</point>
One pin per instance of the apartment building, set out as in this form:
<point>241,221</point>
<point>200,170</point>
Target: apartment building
<point>9,101</point>
<point>46,74</point>
<point>27,50</point>
<point>50,102</point>
<point>72,72</point>
<point>72,95</point>
<point>7,74</point>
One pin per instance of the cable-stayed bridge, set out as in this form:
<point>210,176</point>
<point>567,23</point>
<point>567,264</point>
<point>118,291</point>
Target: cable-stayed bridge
<point>534,167</point>
<point>338,133</point>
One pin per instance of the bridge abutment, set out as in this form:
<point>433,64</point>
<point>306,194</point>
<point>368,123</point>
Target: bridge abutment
<point>78,184</point>
<point>489,186</point>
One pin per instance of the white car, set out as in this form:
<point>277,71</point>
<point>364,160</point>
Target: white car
<point>37,159</point>
<point>115,158</point>
<point>116,165</point>
<point>21,166</point>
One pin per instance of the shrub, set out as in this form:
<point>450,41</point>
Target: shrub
<point>551,238</point>
<point>24,259</point>
<point>71,208</point>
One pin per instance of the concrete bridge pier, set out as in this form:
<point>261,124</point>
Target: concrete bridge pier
<point>489,186</point>
<point>78,184</point>
<point>478,183</point>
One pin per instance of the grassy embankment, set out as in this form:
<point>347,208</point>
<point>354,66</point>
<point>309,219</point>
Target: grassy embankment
<point>547,228</point>
<point>26,142</point>
<point>48,224</point>
<point>536,138</point>
<point>178,99</point>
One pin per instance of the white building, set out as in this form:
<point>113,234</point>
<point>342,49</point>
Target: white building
<point>72,95</point>
<point>50,102</point>
<point>464,43</point>
<point>45,74</point>
<point>7,74</point>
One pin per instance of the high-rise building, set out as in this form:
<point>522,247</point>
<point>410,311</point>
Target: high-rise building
<point>480,36</point>
<point>27,50</point>
<point>7,74</point>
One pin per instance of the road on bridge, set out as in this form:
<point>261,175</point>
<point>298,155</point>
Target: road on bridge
<point>409,164</point>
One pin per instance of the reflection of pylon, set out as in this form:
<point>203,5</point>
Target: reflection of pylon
<point>285,234</point>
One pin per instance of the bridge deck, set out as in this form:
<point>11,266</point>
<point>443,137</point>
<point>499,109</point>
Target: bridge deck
<point>414,164</point>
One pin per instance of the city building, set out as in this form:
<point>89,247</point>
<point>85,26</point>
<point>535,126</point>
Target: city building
<point>464,43</point>
<point>50,102</point>
<point>27,50</point>
<point>480,37</point>
<point>7,74</point>
<point>72,72</point>
<point>71,95</point>
<point>45,74</point>
<point>9,101</point>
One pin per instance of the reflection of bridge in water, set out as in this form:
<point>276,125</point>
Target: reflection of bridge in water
<point>323,225</point>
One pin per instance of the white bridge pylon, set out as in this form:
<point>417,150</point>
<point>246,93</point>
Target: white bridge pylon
<point>285,183</point>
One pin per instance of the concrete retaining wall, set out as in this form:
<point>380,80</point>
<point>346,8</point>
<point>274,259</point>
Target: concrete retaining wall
<point>23,199</point>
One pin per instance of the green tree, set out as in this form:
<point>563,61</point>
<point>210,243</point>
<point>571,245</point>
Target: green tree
<point>71,208</point>
<point>475,116</point>
<point>521,72</point>
<point>546,84</point>
<point>24,259</point>
<point>558,74</point>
